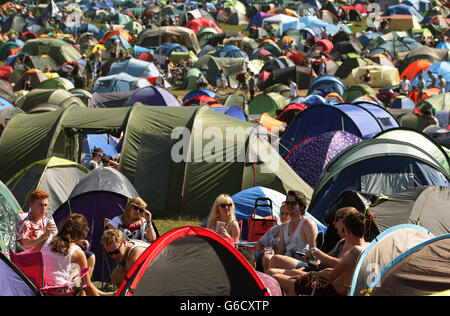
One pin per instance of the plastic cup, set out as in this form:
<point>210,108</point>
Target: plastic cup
<point>219,224</point>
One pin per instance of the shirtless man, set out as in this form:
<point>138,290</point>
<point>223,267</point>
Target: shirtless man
<point>294,235</point>
<point>125,253</point>
<point>336,281</point>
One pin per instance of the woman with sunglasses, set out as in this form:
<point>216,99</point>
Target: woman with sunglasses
<point>223,211</point>
<point>135,222</point>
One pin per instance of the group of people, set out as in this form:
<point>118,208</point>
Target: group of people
<point>65,252</point>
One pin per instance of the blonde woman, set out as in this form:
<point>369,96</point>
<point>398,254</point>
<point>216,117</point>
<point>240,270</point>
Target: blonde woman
<point>223,211</point>
<point>135,222</point>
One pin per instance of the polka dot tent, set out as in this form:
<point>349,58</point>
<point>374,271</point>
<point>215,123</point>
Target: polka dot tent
<point>310,157</point>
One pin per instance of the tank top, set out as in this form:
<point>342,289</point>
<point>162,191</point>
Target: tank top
<point>294,242</point>
<point>58,268</point>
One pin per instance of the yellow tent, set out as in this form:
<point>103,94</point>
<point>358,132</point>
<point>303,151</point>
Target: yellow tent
<point>382,76</point>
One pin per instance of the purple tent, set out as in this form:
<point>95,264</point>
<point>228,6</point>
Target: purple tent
<point>13,282</point>
<point>153,96</point>
<point>310,157</point>
<point>258,18</point>
<point>102,194</point>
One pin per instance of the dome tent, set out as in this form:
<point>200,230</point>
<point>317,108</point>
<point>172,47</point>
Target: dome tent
<point>210,267</point>
<point>55,176</point>
<point>364,121</point>
<point>102,193</point>
<point>399,238</point>
<point>382,166</point>
<point>152,96</point>
<point>266,103</point>
<point>8,211</point>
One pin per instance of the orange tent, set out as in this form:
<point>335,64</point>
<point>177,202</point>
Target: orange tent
<point>270,123</point>
<point>296,57</point>
<point>415,68</point>
<point>427,93</point>
<point>120,32</point>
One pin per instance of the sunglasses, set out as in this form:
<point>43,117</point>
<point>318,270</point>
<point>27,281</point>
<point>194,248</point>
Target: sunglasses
<point>291,203</point>
<point>223,205</point>
<point>114,252</point>
<point>138,209</point>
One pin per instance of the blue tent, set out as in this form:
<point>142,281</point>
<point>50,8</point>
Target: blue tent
<point>315,21</point>
<point>310,100</point>
<point>5,104</point>
<point>438,68</point>
<point>403,9</point>
<point>135,67</point>
<point>443,45</point>
<point>233,111</point>
<point>377,166</point>
<point>364,39</point>
<point>195,93</point>
<point>403,103</point>
<point>325,84</point>
<point>363,121</point>
<point>167,48</point>
<point>420,5</point>
<point>230,51</point>
<point>104,141</point>
<point>119,83</point>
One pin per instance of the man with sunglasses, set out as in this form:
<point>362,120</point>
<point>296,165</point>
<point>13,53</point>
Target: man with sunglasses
<point>297,235</point>
<point>125,253</point>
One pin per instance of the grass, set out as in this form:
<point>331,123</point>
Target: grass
<point>165,225</point>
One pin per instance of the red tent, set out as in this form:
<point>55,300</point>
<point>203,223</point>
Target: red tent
<point>146,56</point>
<point>291,111</point>
<point>325,44</point>
<point>428,93</point>
<point>198,23</point>
<point>5,72</point>
<point>201,99</point>
<point>192,261</point>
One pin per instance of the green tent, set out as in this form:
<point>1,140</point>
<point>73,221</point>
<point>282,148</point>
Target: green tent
<point>175,57</point>
<point>279,88</point>
<point>179,159</point>
<point>212,65</point>
<point>4,49</point>
<point>345,69</point>
<point>204,34</point>
<point>420,140</point>
<point>437,102</point>
<point>59,97</point>
<point>190,81</point>
<point>8,210</point>
<point>56,83</point>
<point>358,90</point>
<point>56,176</point>
<point>61,51</point>
<point>267,103</point>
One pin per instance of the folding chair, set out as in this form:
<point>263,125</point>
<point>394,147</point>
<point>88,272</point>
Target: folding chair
<point>31,263</point>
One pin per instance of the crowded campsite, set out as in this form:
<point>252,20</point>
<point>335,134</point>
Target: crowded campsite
<point>225,148</point>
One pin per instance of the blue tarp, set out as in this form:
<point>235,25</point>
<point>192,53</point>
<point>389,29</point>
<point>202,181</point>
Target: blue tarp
<point>438,68</point>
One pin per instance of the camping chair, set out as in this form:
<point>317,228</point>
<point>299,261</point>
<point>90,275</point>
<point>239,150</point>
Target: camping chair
<point>257,227</point>
<point>31,263</point>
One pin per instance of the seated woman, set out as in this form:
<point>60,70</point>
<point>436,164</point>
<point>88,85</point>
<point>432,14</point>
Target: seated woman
<point>135,222</point>
<point>61,254</point>
<point>223,211</point>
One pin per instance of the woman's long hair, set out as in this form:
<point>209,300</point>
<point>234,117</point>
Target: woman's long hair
<point>75,228</point>
<point>215,212</point>
<point>134,201</point>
